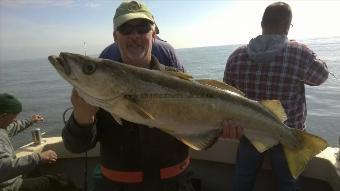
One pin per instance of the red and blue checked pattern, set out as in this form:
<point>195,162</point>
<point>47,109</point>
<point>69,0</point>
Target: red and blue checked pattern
<point>282,79</point>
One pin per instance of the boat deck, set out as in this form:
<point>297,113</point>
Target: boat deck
<point>212,176</point>
<point>213,169</point>
<point>218,177</point>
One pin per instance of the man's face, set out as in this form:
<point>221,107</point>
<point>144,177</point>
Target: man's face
<point>134,39</point>
<point>6,119</point>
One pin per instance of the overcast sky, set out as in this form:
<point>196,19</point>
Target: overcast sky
<point>38,28</point>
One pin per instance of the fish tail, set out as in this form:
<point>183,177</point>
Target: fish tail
<point>298,157</point>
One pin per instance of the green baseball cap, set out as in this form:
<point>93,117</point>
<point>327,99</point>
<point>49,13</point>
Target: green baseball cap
<point>9,104</point>
<point>131,10</point>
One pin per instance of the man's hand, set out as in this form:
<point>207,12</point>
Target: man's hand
<point>83,112</point>
<point>37,117</point>
<point>231,129</point>
<point>48,156</point>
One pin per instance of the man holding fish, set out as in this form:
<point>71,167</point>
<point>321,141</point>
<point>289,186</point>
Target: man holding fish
<point>133,108</point>
<point>133,156</point>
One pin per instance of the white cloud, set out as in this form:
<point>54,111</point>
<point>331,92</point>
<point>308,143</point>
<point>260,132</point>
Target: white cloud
<point>315,19</point>
<point>231,22</point>
<point>92,4</point>
<point>238,21</point>
<point>35,3</point>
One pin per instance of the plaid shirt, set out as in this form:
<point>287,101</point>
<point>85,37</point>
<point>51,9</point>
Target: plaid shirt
<point>282,79</point>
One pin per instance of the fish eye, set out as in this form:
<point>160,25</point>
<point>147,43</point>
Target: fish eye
<point>89,68</point>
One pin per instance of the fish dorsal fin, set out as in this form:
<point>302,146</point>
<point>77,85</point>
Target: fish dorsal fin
<point>180,75</point>
<point>275,107</point>
<point>219,85</point>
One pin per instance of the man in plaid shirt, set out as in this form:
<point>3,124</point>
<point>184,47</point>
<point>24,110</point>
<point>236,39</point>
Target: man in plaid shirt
<point>271,67</point>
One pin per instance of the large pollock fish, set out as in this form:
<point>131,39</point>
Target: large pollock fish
<point>190,110</point>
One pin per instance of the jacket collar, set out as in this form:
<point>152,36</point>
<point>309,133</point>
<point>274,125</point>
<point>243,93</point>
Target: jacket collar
<point>154,65</point>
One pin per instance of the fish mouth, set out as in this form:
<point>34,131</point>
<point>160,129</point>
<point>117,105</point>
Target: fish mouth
<point>59,62</point>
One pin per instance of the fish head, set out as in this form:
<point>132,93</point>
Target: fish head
<point>97,78</point>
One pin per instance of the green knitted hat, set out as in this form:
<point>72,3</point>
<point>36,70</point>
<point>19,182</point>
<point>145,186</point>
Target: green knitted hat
<point>131,10</point>
<point>9,104</point>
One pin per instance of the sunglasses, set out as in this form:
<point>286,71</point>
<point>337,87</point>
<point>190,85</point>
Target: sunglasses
<point>142,28</point>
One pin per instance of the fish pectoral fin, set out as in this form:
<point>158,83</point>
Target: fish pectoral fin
<point>199,141</point>
<point>260,140</point>
<point>168,131</point>
<point>117,119</point>
<point>298,158</point>
<point>180,75</point>
<point>275,106</point>
<point>220,85</point>
<point>140,111</point>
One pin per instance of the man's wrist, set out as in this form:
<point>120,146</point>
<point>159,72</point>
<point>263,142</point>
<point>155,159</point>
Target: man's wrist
<point>83,121</point>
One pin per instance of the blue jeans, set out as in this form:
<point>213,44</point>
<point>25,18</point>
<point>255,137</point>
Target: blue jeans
<point>249,163</point>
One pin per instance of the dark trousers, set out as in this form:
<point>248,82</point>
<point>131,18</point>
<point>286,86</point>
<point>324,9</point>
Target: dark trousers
<point>47,183</point>
<point>249,162</point>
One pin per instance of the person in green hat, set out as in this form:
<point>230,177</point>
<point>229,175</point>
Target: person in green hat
<point>161,49</point>
<point>12,168</point>
<point>132,156</point>
<point>10,107</point>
